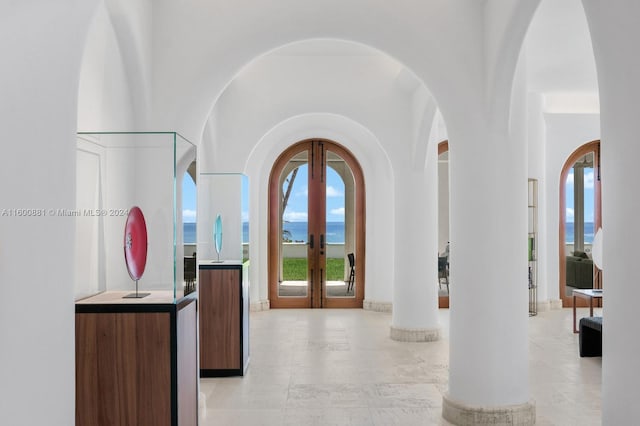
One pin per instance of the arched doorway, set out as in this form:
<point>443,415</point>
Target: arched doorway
<point>443,224</point>
<point>308,257</point>
<point>580,216</point>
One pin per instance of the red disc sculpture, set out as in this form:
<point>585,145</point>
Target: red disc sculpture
<point>135,247</point>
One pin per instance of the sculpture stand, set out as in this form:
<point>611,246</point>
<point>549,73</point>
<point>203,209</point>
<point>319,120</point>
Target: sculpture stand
<point>136,295</point>
<point>218,253</point>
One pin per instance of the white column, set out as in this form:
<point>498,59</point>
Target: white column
<point>619,92</point>
<point>489,357</point>
<point>621,233</point>
<point>415,289</point>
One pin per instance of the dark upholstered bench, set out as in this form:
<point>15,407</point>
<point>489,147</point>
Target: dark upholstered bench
<point>590,336</point>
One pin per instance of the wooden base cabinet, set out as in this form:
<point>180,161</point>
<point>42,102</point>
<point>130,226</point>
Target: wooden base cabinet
<point>136,363</point>
<point>224,319</point>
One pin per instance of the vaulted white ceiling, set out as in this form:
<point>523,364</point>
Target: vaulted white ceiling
<point>558,47</point>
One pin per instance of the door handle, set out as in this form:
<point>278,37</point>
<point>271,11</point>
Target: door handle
<point>310,240</point>
<point>321,241</point>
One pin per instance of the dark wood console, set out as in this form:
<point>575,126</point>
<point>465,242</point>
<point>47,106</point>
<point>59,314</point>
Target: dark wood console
<point>224,319</point>
<point>136,361</point>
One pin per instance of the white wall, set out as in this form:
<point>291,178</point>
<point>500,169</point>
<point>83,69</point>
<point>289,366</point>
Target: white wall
<point>104,95</point>
<point>41,44</point>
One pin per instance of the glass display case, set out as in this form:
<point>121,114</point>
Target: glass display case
<point>115,173</point>
<point>223,286</point>
<point>223,218</point>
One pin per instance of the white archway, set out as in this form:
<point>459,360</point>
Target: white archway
<point>377,174</point>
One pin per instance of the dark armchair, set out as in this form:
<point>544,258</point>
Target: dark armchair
<point>579,272</point>
<point>352,272</point>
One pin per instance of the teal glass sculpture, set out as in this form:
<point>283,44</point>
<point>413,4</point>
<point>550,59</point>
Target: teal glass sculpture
<point>217,235</point>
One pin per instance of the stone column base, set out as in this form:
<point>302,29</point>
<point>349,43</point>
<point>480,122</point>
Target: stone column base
<point>414,334</point>
<point>372,305</point>
<point>512,415</point>
<point>549,305</point>
<point>544,305</point>
<point>260,305</point>
<point>556,304</point>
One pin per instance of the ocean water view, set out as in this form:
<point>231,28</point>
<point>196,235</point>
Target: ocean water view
<point>297,232</point>
<point>589,233</point>
<point>335,232</point>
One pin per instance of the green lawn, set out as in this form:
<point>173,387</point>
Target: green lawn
<point>295,269</point>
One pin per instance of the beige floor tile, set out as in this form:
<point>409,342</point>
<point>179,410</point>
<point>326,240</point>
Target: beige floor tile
<point>339,367</point>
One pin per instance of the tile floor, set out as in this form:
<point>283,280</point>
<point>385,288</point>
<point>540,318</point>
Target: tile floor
<point>339,367</point>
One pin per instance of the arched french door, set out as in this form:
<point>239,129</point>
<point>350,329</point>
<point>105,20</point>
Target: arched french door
<point>580,178</point>
<point>316,228</point>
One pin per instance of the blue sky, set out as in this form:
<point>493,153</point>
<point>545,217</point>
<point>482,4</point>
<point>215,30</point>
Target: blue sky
<point>297,207</point>
<point>297,211</point>
<point>588,196</point>
<point>188,199</point>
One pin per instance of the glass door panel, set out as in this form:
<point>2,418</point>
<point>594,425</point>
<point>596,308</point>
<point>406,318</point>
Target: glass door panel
<point>340,228</point>
<point>293,260</point>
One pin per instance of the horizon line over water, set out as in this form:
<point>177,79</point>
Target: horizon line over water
<point>298,232</point>
<point>589,233</point>
<point>335,232</point>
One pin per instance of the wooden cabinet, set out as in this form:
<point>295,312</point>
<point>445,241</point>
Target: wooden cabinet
<point>224,319</point>
<point>136,362</point>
